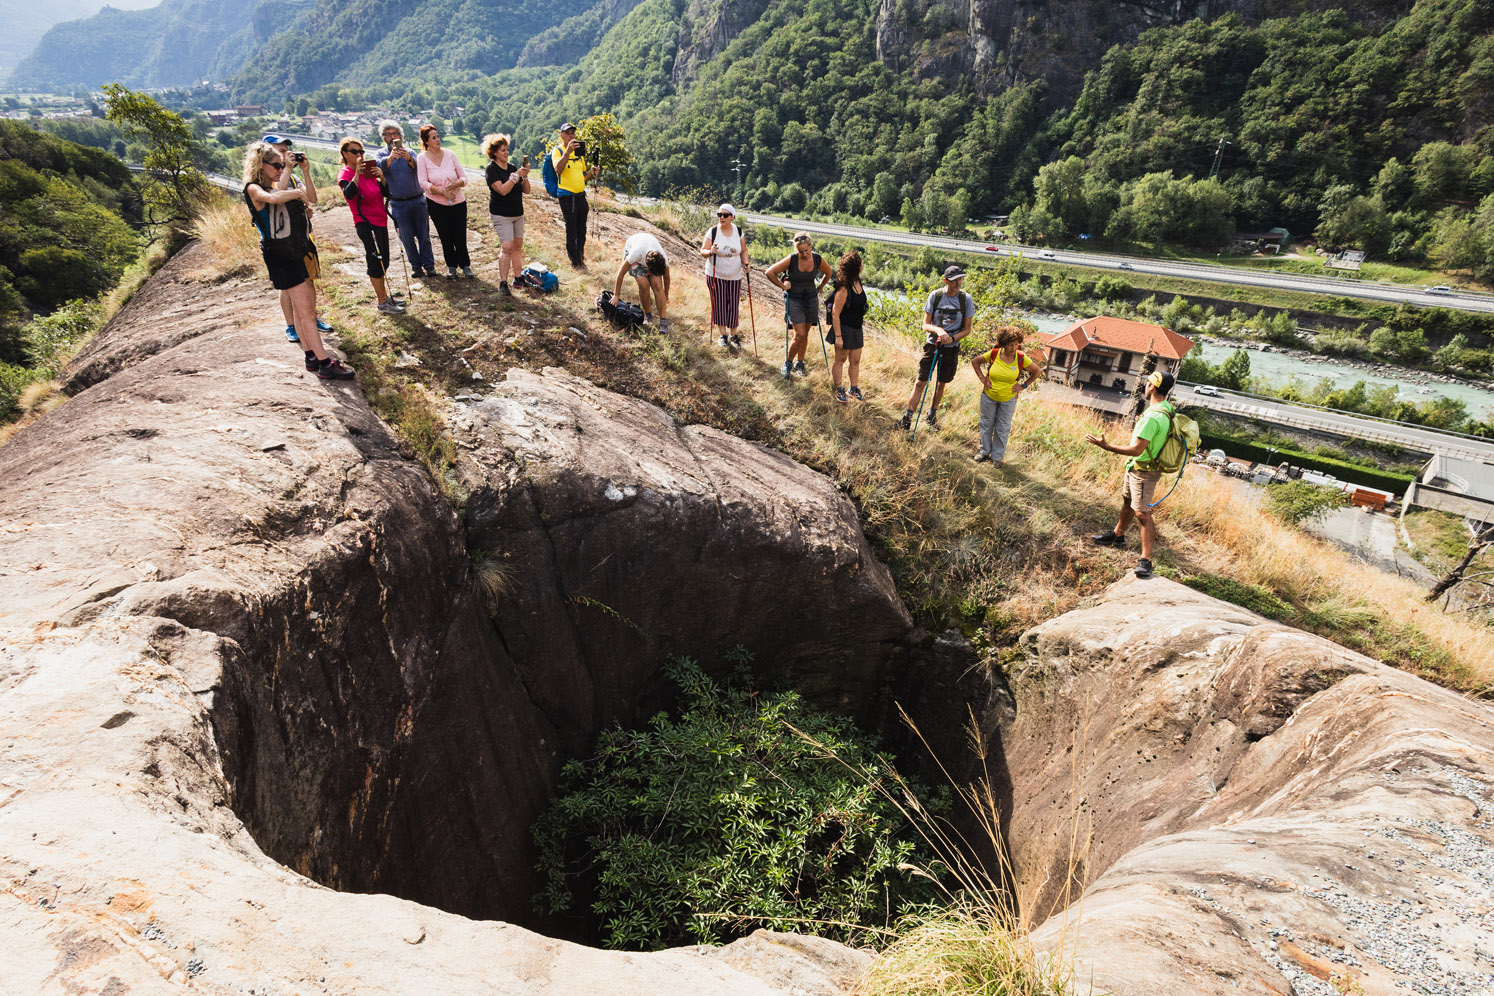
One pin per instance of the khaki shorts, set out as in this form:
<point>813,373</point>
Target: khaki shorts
<point>508,229</point>
<point>1140,486</point>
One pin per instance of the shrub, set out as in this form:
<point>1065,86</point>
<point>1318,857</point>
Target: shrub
<point>1297,502</point>
<point>707,825</point>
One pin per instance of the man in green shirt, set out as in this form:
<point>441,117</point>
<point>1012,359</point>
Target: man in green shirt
<point>1146,442</point>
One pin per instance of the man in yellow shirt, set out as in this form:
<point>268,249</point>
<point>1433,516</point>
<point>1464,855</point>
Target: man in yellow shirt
<point>572,169</point>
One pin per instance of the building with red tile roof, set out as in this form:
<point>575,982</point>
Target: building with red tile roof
<point>1109,352</point>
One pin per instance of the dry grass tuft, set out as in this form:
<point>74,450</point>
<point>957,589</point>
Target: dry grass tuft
<point>962,950</point>
<point>223,224</point>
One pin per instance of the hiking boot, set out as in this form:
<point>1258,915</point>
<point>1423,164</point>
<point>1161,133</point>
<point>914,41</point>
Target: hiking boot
<point>981,457</point>
<point>907,421</point>
<point>390,307</point>
<point>788,370</point>
<point>840,395</point>
<point>1108,538</point>
<point>334,369</point>
<point>725,342</point>
<point>1143,568</point>
<point>503,289</point>
<point>322,326</point>
<point>736,342</point>
<point>467,272</point>
<point>799,369</point>
<point>932,422</point>
<point>312,363</point>
<point>290,334</point>
<point>856,393</point>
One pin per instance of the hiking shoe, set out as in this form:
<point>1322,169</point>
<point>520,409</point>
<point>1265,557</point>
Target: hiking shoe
<point>981,457</point>
<point>932,422</point>
<point>663,325</point>
<point>1143,568</point>
<point>503,289</point>
<point>856,393</point>
<point>907,421</point>
<point>1108,538</point>
<point>736,342</point>
<point>322,326</point>
<point>390,307</point>
<point>334,369</point>
<point>451,273</point>
<point>840,395</point>
<point>788,370</point>
<point>312,363</point>
<point>290,334</point>
<point>725,342</point>
<point>467,272</point>
<point>799,369</point>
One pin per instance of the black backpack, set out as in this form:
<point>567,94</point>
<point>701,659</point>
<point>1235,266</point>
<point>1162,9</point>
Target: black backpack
<point>622,314</point>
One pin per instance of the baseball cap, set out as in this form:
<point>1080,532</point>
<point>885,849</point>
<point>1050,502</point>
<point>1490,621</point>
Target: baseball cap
<point>953,273</point>
<point>277,140</point>
<point>1162,381</point>
<point>567,127</point>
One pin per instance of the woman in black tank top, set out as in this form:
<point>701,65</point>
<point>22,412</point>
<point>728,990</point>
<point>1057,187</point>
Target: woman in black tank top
<point>802,274</point>
<point>846,316</point>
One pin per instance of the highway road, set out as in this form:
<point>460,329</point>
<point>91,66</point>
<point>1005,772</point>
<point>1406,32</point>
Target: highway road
<point>1216,272</point>
<point>1339,423</point>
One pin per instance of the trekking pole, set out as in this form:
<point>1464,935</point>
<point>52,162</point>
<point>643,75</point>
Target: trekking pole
<point>747,268</point>
<point>405,270</point>
<point>914,431</point>
<point>788,330</point>
<point>824,350</point>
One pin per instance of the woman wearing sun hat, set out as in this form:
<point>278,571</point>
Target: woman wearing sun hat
<point>725,252</point>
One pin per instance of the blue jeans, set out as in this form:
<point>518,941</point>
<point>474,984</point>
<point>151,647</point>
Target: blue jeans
<point>414,225</point>
<point>995,426</point>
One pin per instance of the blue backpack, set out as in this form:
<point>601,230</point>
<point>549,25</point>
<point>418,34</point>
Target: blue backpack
<point>537,279</point>
<point>552,181</point>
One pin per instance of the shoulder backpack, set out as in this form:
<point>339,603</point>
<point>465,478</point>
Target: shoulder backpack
<point>621,314</point>
<point>536,276</point>
<point>1181,443</point>
<point>551,178</point>
<point>830,303</point>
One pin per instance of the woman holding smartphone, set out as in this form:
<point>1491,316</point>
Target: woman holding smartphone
<point>362,184</point>
<point>507,186</point>
<point>444,180</point>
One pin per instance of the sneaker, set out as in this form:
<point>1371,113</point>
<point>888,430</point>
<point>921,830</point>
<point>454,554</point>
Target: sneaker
<point>503,289</point>
<point>391,307</point>
<point>981,457</point>
<point>1108,538</point>
<point>335,369</point>
<point>799,369</point>
<point>907,421</point>
<point>663,325</point>
<point>322,326</point>
<point>467,272</point>
<point>788,369</point>
<point>736,342</point>
<point>312,363</point>
<point>290,334</point>
<point>725,342</point>
<point>451,273</point>
<point>856,393</point>
<point>840,395</point>
<point>1143,568</point>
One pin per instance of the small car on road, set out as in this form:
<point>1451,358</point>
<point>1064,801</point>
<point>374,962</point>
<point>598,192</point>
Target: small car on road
<point>1208,389</point>
<point>1440,289</point>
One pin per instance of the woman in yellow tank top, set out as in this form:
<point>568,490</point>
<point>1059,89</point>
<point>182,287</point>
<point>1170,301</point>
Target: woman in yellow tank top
<point>1004,372</point>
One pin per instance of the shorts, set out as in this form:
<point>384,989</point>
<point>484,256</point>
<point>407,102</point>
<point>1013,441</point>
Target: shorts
<point>852,337</point>
<point>507,229</point>
<point>949,362</point>
<point>286,270</point>
<point>639,270</point>
<point>803,310</point>
<point>1140,486</point>
<point>375,240</point>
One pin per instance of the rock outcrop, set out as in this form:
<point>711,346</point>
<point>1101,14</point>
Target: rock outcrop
<point>1253,809</point>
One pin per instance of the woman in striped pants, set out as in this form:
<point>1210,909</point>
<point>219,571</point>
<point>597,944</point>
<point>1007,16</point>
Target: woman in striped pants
<point>725,252</point>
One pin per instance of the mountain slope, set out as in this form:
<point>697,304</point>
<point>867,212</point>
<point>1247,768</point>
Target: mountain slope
<point>26,23</point>
<point>178,42</point>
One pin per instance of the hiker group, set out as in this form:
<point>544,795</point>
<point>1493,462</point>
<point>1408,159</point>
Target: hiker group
<point>417,191</point>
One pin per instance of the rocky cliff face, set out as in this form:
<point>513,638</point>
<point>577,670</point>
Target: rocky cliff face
<point>706,28</point>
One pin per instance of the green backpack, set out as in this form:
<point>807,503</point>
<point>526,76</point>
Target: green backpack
<point>1180,444</point>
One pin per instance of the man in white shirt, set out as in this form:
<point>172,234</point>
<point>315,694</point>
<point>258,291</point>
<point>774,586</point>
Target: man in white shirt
<point>644,259</point>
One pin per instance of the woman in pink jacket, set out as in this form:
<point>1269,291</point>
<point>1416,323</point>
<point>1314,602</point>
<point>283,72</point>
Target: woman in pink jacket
<point>443,180</point>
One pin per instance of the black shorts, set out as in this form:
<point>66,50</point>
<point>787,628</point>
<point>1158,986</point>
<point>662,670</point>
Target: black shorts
<point>375,240</point>
<point>851,336</point>
<point>949,362</point>
<point>287,268</point>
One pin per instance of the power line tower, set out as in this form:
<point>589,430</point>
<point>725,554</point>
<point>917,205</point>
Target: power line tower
<point>1218,157</point>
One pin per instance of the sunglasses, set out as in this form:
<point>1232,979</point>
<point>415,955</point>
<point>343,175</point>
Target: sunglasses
<point>723,214</point>
<point>277,165</point>
<point>356,152</point>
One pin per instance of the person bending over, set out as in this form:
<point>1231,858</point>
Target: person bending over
<point>947,316</point>
<point>1140,485</point>
<point>362,184</point>
<point>846,316</point>
<point>644,259</point>
<point>294,161</point>
<point>406,199</point>
<point>290,258</point>
<point>1004,372</point>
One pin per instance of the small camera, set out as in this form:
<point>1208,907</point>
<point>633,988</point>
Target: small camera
<point>580,150</point>
<point>297,158</point>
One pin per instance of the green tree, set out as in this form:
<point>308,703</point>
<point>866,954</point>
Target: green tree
<point>910,217</point>
<point>608,147</point>
<point>172,185</point>
<point>1298,503</point>
<point>884,203</point>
